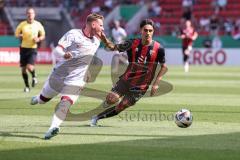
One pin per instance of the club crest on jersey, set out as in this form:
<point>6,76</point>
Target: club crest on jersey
<point>151,52</point>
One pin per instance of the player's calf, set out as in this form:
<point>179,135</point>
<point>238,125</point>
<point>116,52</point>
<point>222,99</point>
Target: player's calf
<point>59,116</point>
<point>34,81</point>
<point>110,112</point>
<point>125,103</point>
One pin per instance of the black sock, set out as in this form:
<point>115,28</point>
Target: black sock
<point>25,78</point>
<point>110,112</point>
<point>33,73</point>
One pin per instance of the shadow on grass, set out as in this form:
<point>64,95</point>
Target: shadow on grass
<point>201,147</point>
<point>16,134</point>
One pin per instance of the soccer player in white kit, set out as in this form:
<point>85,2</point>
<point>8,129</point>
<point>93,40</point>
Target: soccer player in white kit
<point>75,51</point>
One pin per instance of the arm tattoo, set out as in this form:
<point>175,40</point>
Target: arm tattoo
<point>110,45</point>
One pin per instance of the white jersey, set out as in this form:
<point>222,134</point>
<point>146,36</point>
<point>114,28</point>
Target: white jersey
<point>72,71</point>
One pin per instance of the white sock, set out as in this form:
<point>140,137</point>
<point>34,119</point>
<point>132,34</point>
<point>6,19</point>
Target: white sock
<point>56,122</point>
<point>186,67</point>
<point>60,113</point>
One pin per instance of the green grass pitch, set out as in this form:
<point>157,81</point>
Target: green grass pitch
<point>211,93</point>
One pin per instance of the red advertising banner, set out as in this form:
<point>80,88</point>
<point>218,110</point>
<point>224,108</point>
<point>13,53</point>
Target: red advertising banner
<point>10,56</point>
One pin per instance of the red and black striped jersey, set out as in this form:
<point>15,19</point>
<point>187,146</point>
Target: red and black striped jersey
<point>143,61</point>
<point>187,41</point>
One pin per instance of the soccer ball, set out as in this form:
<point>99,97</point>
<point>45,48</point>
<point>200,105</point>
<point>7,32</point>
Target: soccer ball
<point>183,118</point>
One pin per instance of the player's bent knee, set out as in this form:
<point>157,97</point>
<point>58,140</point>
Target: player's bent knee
<point>69,99</point>
<point>112,98</point>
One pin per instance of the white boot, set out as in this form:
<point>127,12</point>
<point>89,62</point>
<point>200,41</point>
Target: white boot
<point>51,133</point>
<point>34,100</point>
<point>94,121</point>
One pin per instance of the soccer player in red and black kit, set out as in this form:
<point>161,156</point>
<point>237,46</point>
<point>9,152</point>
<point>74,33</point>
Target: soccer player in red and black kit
<point>188,35</point>
<point>144,55</point>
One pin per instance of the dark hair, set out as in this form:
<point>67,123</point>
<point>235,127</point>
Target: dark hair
<point>147,21</point>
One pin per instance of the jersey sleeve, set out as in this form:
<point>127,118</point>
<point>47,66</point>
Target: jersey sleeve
<point>67,39</point>
<point>18,30</point>
<point>125,46</point>
<point>161,55</point>
<point>41,30</point>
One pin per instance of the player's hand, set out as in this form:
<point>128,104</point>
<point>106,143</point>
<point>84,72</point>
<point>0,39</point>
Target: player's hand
<point>67,55</point>
<point>36,39</point>
<point>183,36</point>
<point>20,37</point>
<point>154,89</point>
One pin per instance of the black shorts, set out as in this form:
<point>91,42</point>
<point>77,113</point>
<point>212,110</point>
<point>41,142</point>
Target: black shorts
<point>123,88</point>
<point>27,56</point>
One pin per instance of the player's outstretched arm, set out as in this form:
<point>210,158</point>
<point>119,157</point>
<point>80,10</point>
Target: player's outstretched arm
<point>122,47</point>
<point>109,44</point>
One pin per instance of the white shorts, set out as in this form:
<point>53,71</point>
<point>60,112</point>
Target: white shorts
<point>49,91</point>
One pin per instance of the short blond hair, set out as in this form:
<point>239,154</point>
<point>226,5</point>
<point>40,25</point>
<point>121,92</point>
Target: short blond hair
<point>30,8</point>
<point>93,17</point>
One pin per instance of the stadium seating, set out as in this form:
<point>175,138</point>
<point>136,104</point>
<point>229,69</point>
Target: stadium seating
<point>172,13</point>
<point>169,18</point>
<point>5,28</point>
